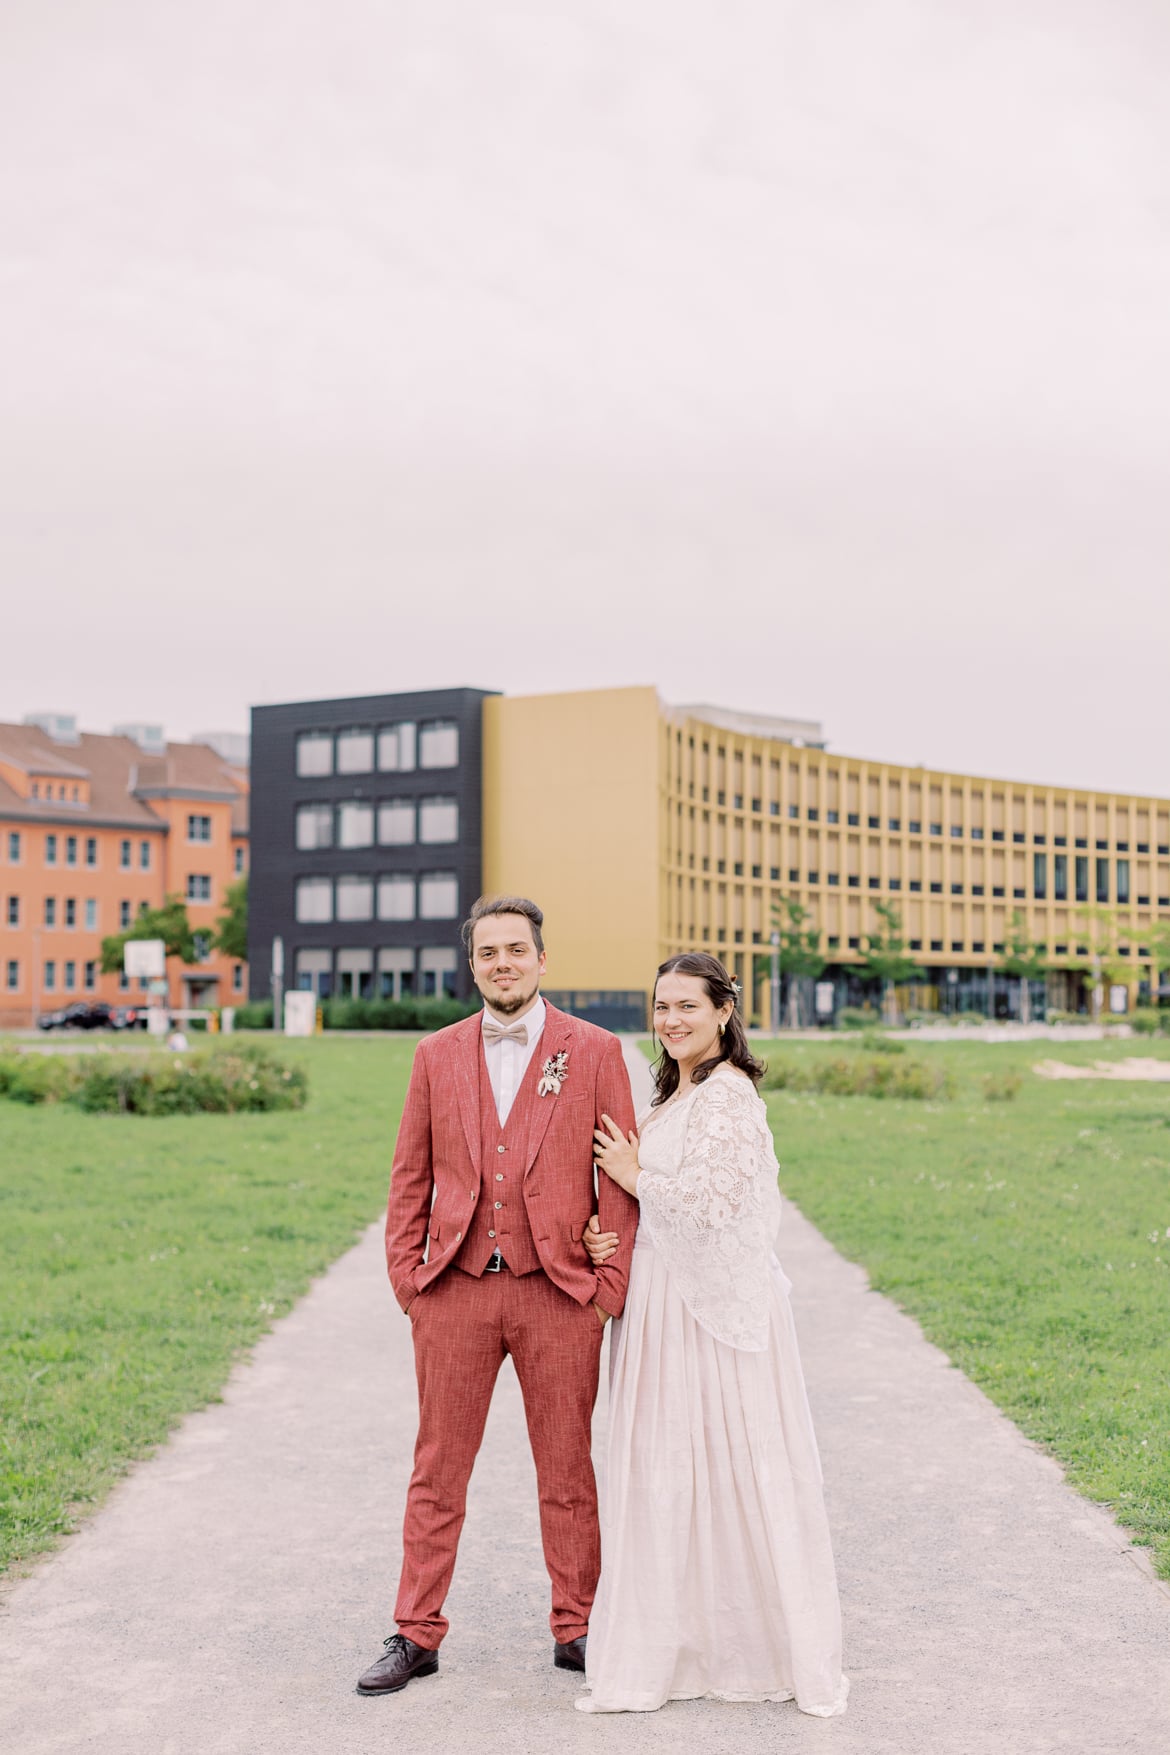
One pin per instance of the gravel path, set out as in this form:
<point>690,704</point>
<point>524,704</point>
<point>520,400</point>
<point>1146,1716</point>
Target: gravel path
<point>226,1597</point>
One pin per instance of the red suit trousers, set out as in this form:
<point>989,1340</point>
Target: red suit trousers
<point>463,1327</point>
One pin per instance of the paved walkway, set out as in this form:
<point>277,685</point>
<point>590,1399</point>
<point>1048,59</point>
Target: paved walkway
<point>226,1597</point>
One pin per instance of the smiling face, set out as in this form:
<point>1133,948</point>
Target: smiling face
<point>685,1021</point>
<point>505,963</point>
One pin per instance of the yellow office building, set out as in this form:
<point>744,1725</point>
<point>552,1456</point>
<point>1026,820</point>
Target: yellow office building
<point>644,829</point>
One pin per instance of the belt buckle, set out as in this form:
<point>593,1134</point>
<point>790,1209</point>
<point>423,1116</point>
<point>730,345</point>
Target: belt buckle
<point>495,1263</point>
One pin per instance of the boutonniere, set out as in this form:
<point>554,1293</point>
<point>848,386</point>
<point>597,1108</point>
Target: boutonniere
<point>554,1072</point>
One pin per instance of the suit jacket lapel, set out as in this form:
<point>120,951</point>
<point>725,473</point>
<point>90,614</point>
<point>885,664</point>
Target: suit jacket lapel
<point>557,1035</point>
<point>468,1050</point>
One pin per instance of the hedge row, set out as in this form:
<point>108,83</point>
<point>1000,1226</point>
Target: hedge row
<point>858,1075</point>
<point>220,1082</point>
<point>368,1014</point>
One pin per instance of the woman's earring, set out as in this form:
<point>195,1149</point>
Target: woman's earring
<point>722,1027</point>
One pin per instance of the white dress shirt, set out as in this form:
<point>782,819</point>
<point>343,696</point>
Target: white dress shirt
<point>507,1062</point>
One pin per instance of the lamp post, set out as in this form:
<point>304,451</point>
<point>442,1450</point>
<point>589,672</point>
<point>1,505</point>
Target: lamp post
<point>775,983</point>
<point>278,983</point>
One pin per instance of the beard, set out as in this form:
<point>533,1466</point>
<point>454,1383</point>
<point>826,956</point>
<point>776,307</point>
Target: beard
<point>507,1004</point>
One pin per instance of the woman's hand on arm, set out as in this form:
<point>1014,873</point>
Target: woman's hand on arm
<point>617,1154</point>
<point>599,1244</point>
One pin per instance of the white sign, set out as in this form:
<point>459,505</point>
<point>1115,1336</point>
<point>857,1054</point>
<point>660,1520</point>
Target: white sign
<point>1119,998</point>
<point>300,1014</point>
<point>146,957</point>
<point>824,999</point>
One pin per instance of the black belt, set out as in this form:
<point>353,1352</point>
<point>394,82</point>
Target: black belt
<point>496,1264</point>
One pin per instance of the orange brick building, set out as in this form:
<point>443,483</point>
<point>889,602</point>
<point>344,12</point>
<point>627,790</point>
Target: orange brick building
<point>95,828</point>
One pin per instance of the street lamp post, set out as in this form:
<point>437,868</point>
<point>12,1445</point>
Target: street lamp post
<point>775,983</point>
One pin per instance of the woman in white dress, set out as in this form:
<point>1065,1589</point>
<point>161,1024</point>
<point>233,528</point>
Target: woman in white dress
<point>717,1575</point>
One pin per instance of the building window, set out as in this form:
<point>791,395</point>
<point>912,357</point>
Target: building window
<point>143,908</point>
<point>50,976</point>
<point>314,754</point>
<point>198,886</point>
<point>437,969</point>
<point>14,846</point>
<point>91,850</point>
<point>238,861</point>
<point>90,976</point>
<point>355,752</point>
<point>198,828</point>
<point>314,899</point>
<point>12,975</point>
<point>396,749</point>
<point>50,849</point>
<point>1102,880</point>
<point>50,910</point>
<point>1082,878</point>
<point>355,898</point>
<point>144,856</point>
<point>396,822</point>
<point>13,911</point>
<point>355,825</point>
<point>1060,877</point>
<point>70,974</point>
<point>314,827</point>
<point>123,915</point>
<point>124,852</point>
<point>438,744</point>
<point>201,941</point>
<point>438,895</point>
<point>71,849</point>
<point>1040,876</point>
<point>396,897</point>
<point>238,978</point>
<point>70,911</point>
<point>438,819</point>
<point>1123,880</point>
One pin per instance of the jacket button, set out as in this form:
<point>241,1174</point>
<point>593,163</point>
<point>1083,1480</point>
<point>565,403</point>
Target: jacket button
<point>499,1204</point>
<point>499,1175</point>
<point>501,1148</point>
<point>491,1233</point>
<point>458,1235</point>
<point>473,1194</point>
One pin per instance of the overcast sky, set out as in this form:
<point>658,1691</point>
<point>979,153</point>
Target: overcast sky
<point>810,359</point>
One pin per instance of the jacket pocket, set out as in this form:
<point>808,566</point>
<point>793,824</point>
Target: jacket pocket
<point>433,1230</point>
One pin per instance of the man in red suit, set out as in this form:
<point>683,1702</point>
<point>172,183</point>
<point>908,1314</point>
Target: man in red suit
<point>492,1187</point>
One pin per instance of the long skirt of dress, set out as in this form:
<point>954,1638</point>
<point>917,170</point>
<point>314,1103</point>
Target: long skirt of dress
<point>717,1574</point>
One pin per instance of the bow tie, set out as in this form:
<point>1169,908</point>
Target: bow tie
<point>493,1032</point>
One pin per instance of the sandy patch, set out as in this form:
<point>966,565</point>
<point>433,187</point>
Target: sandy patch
<point>1105,1069</point>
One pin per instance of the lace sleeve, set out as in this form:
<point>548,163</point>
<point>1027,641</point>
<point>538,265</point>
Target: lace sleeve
<point>714,1218</point>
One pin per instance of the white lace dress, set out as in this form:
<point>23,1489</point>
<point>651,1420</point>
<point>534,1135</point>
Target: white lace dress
<point>717,1573</point>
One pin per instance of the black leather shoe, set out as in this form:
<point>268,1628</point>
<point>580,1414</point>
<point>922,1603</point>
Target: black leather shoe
<point>403,1660</point>
<point>570,1655</point>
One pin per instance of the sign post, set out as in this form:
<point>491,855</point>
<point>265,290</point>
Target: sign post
<point>775,983</point>
<point>146,958</point>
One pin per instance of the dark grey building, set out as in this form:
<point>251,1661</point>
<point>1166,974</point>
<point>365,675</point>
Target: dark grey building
<point>365,842</point>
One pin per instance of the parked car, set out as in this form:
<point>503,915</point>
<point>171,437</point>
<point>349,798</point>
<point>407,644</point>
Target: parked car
<point>127,1017</point>
<point>81,1015</point>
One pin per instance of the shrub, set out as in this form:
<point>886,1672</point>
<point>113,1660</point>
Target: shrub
<point>255,1015</point>
<point>856,1017</point>
<point>855,1076</point>
<point>1146,1020</point>
<point>875,1043</point>
<point>1000,1087</point>
<point>220,1081</point>
<point>395,1014</point>
<point>1056,1016</point>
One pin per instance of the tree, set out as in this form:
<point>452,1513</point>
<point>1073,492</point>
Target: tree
<point>231,929</point>
<point>798,954</point>
<point>1023,958</point>
<point>886,958</point>
<point>1157,937</point>
<point>170,923</point>
<point>1108,965</point>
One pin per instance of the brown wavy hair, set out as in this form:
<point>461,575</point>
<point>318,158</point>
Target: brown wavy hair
<point>733,1043</point>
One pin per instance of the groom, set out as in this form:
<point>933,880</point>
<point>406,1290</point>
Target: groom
<point>493,1177</point>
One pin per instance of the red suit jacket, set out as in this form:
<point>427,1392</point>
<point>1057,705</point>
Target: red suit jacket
<point>437,1160</point>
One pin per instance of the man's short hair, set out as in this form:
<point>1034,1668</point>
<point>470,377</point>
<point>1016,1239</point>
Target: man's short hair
<point>488,905</point>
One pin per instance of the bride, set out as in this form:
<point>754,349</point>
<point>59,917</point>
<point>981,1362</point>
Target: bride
<point>717,1574</point>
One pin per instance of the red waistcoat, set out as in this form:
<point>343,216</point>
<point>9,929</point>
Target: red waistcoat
<point>500,1219</point>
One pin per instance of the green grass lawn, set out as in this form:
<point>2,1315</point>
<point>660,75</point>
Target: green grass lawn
<point>1030,1238</point>
<point>140,1257</point>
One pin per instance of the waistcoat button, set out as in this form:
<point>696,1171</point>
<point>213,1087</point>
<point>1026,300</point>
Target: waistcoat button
<point>499,1203</point>
<point>499,1175</point>
<point>491,1233</point>
<point>501,1148</point>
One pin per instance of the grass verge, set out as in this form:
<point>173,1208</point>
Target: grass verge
<point>141,1256</point>
<point>1030,1238</point>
